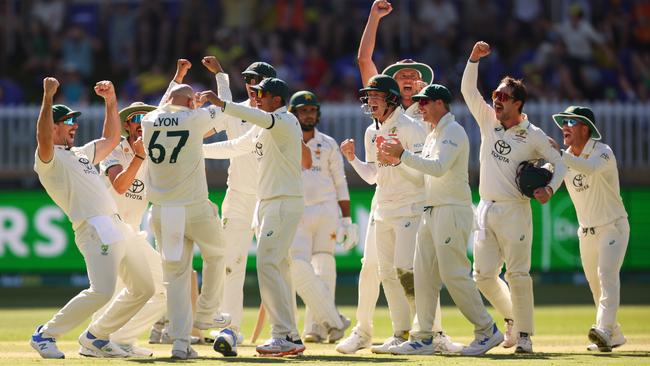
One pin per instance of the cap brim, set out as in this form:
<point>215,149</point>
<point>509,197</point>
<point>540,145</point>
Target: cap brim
<point>595,134</point>
<point>124,113</point>
<point>417,97</point>
<point>73,114</point>
<point>425,71</point>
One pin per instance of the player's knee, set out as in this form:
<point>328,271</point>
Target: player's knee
<point>144,290</point>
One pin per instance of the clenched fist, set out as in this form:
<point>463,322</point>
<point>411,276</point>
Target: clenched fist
<point>381,8</point>
<point>347,149</point>
<point>138,147</point>
<point>480,50</point>
<point>105,90</point>
<point>50,86</point>
<point>211,63</point>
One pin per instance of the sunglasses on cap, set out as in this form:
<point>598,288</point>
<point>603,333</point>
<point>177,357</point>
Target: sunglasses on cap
<point>570,122</point>
<point>501,96</point>
<point>70,121</point>
<point>135,117</point>
<point>252,79</point>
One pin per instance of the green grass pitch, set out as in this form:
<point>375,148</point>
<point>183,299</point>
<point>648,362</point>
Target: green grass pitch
<point>560,340</point>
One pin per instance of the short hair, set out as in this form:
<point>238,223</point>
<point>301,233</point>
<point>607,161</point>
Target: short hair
<point>518,89</point>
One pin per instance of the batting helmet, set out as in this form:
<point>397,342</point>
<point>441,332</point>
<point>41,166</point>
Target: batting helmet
<point>382,83</point>
<point>533,174</point>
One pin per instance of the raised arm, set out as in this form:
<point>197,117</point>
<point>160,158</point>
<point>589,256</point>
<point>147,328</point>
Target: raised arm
<point>595,163</point>
<point>378,10</point>
<point>45,123</point>
<point>223,81</point>
<point>121,179</point>
<point>182,67</point>
<point>480,110</point>
<point>111,132</point>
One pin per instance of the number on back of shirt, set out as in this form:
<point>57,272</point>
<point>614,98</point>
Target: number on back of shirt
<point>157,151</point>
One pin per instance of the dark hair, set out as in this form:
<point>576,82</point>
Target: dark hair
<point>518,89</point>
<point>446,106</point>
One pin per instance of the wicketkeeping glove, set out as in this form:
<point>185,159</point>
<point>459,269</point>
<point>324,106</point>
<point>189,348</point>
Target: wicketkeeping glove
<point>347,233</point>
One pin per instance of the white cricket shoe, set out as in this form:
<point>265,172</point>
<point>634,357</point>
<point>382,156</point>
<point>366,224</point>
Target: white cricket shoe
<point>95,347</point>
<point>279,347</point>
<point>226,343</point>
<point>384,348</point>
<point>312,338</point>
<point>481,345</point>
<point>46,347</point>
<point>335,334</point>
<point>618,339</point>
<point>222,320</point>
<point>524,344</point>
<point>421,347</point>
<point>135,351</point>
<point>509,338</point>
<point>443,344</point>
<point>601,338</point>
<point>355,341</point>
<point>181,350</point>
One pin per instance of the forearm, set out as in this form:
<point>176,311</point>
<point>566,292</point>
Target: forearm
<point>125,178</point>
<point>434,167</point>
<point>345,208</point>
<point>226,149</point>
<point>367,171</point>
<point>585,166</point>
<point>366,48</point>
<point>223,86</point>
<point>44,128</point>
<point>559,167</point>
<point>165,96</point>
<point>252,115</point>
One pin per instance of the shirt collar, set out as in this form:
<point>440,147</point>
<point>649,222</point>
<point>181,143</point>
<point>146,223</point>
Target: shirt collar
<point>587,149</point>
<point>392,119</point>
<point>280,110</point>
<point>444,121</point>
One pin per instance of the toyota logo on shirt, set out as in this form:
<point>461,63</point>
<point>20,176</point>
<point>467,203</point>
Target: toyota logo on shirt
<point>502,147</point>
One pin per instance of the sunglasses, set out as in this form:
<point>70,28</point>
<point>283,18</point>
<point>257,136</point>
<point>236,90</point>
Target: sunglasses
<point>570,122</point>
<point>136,117</point>
<point>424,101</point>
<point>261,93</point>
<point>252,79</point>
<point>501,96</point>
<point>71,121</point>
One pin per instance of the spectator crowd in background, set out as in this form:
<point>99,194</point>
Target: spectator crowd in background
<point>563,49</point>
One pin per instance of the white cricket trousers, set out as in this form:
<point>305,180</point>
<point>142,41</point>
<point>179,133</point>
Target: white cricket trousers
<point>103,264</point>
<point>237,215</point>
<point>508,239</point>
<point>276,223</point>
<point>153,309</point>
<point>316,234</point>
<point>369,282</point>
<point>203,227</point>
<point>441,257</point>
<point>602,250</point>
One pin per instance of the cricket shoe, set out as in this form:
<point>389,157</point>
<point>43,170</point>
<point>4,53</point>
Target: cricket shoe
<point>421,347</point>
<point>601,338</point>
<point>509,338</point>
<point>335,334</point>
<point>355,341</point>
<point>157,330</point>
<point>312,338</point>
<point>222,320</point>
<point>481,345</point>
<point>92,346</point>
<point>226,343</point>
<point>181,350</point>
<point>135,351</point>
<point>46,347</point>
<point>524,344</point>
<point>618,339</point>
<point>240,337</point>
<point>391,341</point>
<point>443,344</point>
<point>278,347</point>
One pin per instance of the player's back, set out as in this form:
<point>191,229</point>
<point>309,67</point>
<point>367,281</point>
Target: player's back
<point>173,138</point>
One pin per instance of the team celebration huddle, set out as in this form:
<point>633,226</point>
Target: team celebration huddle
<point>287,189</point>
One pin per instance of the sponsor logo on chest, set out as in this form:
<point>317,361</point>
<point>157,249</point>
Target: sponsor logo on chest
<point>134,192</point>
<point>580,183</point>
<point>500,151</point>
<point>87,167</point>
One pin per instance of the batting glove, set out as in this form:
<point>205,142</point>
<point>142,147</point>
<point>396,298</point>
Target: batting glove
<point>347,233</point>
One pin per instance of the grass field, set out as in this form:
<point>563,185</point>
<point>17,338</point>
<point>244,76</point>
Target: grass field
<point>560,340</point>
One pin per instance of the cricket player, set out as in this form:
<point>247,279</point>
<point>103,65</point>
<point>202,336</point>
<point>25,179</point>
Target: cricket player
<point>125,169</point>
<point>503,215</point>
<point>399,202</point>
<point>441,249</point>
<point>592,182</point>
<point>182,214</point>
<point>411,76</point>
<point>276,141</point>
<point>239,203</point>
<point>109,246</point>
<point>326,216</point>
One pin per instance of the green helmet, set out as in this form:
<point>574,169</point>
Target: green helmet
<point>303,98</point>
<point>383,83</point>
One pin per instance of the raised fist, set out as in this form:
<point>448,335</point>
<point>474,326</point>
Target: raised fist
<point>210,96</point>
<point>480,50</point>
<point>50,86</point>
<point>183,65</point>
<point>138,147</point>
<point>381,8</point>
<point>347,149</point>
<point>211,63</point>
<point>105,89</point>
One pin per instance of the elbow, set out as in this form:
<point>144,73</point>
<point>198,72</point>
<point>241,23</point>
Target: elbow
<point>119,189</point>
